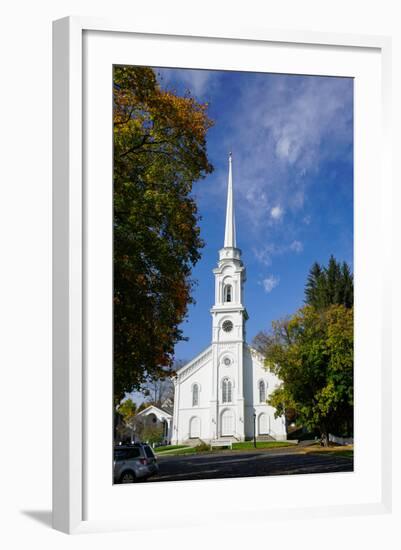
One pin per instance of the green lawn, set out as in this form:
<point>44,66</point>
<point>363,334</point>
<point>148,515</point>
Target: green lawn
<point>169,448</point>
<point>248,445</point>
<point>260,445</point>
<point>241,446</point>
<point>183,450</point>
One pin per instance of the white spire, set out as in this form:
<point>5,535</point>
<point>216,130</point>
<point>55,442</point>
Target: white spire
<point>229,236</point>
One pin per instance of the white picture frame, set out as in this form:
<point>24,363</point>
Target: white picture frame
<point>71,255</point>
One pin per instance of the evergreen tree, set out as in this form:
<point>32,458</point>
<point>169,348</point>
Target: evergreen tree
<point>347,285</point>
<point>313,288</point>
<point>331,285</point>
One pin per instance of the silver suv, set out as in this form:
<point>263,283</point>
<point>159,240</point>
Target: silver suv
<point>134,462</point>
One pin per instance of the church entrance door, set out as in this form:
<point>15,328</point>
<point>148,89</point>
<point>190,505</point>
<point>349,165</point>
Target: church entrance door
<point>227,423</point>
<point>263,424</point>
<point>194,427</point>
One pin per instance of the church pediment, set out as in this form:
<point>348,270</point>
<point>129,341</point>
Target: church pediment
<point>197,363</point>
<point>159,413</point>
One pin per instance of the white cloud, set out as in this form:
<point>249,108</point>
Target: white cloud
<point>283,129</point>
<point>296,246</point>
<point>296,201</point>
<point>270,282</point>
<point>276,212</point>
<point>198,82</point>
<point>264,253</point>
<point>288,147</point>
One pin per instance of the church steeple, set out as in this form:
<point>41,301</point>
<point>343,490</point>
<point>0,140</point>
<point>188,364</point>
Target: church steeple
<point>230,271</point>
<point>230,250</point>
<point>229,318</point>
<point>230,240</point>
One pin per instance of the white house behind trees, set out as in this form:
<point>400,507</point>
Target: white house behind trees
<point>222,392</point>
<point>157,417</point>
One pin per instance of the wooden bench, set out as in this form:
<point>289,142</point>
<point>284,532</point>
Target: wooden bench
<point>219,443</point>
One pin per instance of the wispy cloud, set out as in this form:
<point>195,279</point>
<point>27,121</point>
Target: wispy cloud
<point>270,282</point>
<point>196,81</point>
<point>283,129</point>
<point>296,246</point>
<point>264,253</point>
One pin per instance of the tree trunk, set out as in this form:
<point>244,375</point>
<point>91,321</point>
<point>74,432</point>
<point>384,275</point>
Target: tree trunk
<point>324,436</point>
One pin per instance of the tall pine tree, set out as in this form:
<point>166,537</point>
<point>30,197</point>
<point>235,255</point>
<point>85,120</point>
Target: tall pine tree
<point>331,285</point>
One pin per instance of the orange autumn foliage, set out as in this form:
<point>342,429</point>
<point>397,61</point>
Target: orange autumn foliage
<point>159,152</point>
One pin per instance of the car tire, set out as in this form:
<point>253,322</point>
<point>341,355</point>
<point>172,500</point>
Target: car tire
<point>127,477</point>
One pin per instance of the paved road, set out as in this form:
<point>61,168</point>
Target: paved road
<point>249,464</point>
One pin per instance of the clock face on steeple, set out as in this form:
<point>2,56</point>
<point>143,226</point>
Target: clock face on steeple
<point>227,326</point>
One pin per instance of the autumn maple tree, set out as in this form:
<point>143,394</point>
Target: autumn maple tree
<point>159,152</point>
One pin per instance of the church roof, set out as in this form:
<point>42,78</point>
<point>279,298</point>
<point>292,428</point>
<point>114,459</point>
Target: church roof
<point>156,410</point>
<point>195,359</point>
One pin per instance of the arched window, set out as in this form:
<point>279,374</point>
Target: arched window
<point>228,293</point>
<point>195,395</point>
<point>262,392</point>
<point>227,390</point>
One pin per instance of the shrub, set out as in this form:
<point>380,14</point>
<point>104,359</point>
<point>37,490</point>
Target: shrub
<point>202,447</point>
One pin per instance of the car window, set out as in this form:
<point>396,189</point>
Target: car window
<point>134,453</point>
<point>148,451</point>
<point>120,454</point>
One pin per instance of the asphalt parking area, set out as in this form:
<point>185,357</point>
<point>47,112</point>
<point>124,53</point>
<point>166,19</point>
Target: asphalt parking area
<point>249,464</point>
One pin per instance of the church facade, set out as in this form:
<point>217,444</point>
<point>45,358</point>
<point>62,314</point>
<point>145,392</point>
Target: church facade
<point>221,394</point>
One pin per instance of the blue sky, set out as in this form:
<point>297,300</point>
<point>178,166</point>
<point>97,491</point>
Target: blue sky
<point>292,142</point>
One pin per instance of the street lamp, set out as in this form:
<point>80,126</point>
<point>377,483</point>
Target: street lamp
<point>254,429</point>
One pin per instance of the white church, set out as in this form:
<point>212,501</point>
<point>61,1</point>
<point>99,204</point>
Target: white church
<point>221,394</point>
